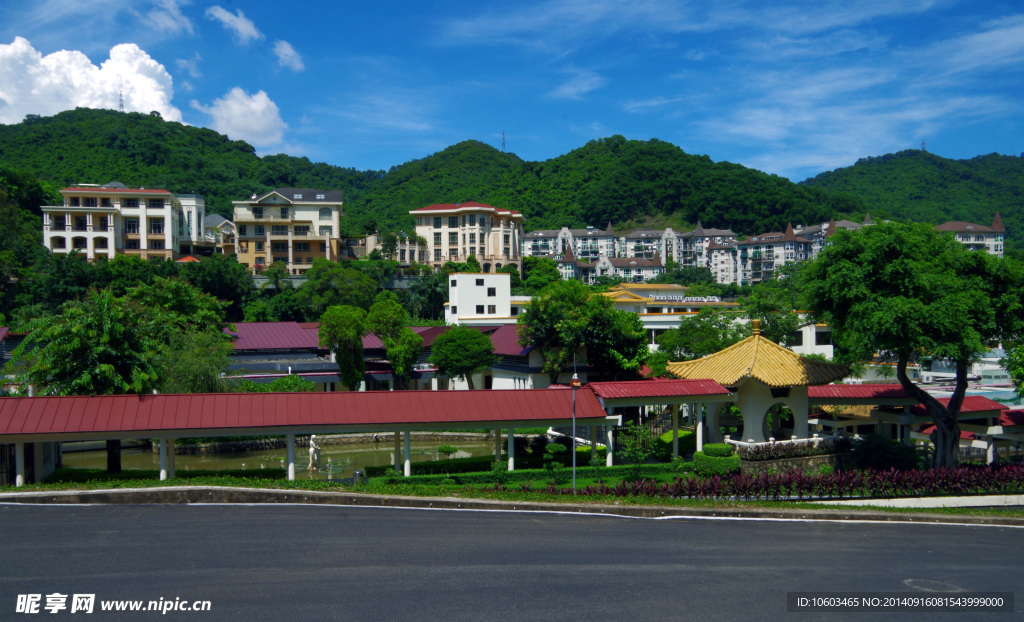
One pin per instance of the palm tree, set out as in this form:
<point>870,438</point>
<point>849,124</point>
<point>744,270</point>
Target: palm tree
<point>277,277</point>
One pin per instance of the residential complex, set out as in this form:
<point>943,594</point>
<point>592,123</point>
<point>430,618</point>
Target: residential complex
<point>978,237</point>
<point>111,219</point>
<point>454,231</point>
<point>290,225</point>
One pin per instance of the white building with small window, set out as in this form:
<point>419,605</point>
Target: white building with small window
<point>482,299</point>
<point>978,237</point>
<point>290,225</point>
<point>111,219</point>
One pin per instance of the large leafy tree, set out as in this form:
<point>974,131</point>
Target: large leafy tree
<point>329,283</point>
<point>566,318</point>
<point>705,333</point>
<point>461,352</point>
<point>907,291</point>
<point>341,331</point>
<point>389,321</point>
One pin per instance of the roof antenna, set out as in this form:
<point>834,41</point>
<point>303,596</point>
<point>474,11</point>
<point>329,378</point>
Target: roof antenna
<point>120,102</point>
<point>503,141</point>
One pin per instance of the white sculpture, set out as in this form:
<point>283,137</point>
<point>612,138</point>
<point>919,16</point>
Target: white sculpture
<point>314,455</point>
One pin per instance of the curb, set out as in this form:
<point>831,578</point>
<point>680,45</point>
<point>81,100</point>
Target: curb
<point>188,495</point>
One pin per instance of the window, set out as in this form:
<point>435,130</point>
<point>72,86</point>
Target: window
<point>101,243</point>
<point>325,213</point>
<point>279,230</point>
<point>302,247</point>
<point>156,245</point>
<point>453,282</point>
<point>320,196</point>
<point>453,238</point>
<point>506,239</point>
<point>472,238</point>
<point>279,247</point>
<point>79,243</point>
<point>131,225</point>
<point>437,239</point>
<point>281,258</point>
<point>158,203</point>
<point>241,230</point>
<point>81,223</point>
<point>437,254</point>
<point>259,247</point>
<point>131,245</point>
<point>453,253</point>
<point>284,212</point>
<point>437,222</point>
<point>156,226</point>
<point>491,309</point>
<point>260,230</point>
<point>297,196</point>
<point>89,202</point>
<point>472,220</point>
<point>796,338</point>
<point>257,212</point>
<point>453,222</point>
<point>479,309</point>
<point>74,202</point>
<point>261,261</point>
<point>131,203</point>
<point>104,223</point>
<point>480,282</point>
<point>105,202</point>
<point>492,292</point>
<point>823,338</point>
<point>327,231</point>
<point>455,310</point>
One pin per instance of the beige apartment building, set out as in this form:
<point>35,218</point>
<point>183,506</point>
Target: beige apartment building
<point>291,225</point>
<point>112,219</point>
<point>455,231</point>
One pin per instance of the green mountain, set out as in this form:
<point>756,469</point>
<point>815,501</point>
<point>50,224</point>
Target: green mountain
<point>921,186</point>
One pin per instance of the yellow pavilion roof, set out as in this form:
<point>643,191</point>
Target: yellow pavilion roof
<point>624,296</point>
<point>762,359</point>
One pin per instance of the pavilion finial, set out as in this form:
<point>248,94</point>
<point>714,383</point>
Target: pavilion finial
<point>756,324</point>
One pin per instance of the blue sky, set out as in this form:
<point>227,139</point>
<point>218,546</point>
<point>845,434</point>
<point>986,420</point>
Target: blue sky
<point>792,88</point>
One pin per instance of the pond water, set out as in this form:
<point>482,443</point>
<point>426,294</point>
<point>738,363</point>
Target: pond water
<point>336,461</point>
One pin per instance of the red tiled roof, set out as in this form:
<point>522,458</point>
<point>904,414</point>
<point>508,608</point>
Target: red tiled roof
<point>273,336</point>
<point>505,341</point>
<point>659,388</point>
<point>856,391</point>
<point>188,259</point>
<point>1011,417</point>
<point>928,429</point>
<point>316,412</point>
<point>3,332</point>
<point>972,404</point>
<point>99,190</point>
<point>959,226</point>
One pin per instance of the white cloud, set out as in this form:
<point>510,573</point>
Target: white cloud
<point>243,28</point>
<point>190,65</point>
<point>31,83</point>
<point>252,118</point>
<point>287,56</point>
<point>579,85</point>
<point>166,16</point>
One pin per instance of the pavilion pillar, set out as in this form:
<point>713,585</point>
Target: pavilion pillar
<point>407,455</point>
<point>290,442</point>
<point>19,464</point>
<point>698,424</point>
<point>593,442</point>
<point>511,449</point>
<point>675,430</point>
<point>801,407</point>
<point>398,451</point>
<point>610,444</point>
<point>990,451</point>
<point>163,459</point>
<point>171,454</point>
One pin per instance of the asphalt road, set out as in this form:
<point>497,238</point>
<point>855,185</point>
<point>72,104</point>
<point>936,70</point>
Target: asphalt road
<point>280,562</point>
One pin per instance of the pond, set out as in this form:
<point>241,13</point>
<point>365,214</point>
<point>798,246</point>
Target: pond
<point>336,460</point>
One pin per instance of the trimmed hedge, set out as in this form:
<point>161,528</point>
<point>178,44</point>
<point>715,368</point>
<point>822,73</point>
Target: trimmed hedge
<point>483,463</point>
<point>718,450</point>
<point>709,466</point>
<point>534,475</point>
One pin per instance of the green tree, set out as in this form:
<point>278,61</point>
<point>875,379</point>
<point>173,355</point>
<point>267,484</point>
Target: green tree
<point>341,331</point>
<point>906,290</point>
<point>705,333</point>
<point>277,277</point>
<point>461,352</point>
<point>222,277</point>
<point>539,272</point>
<point>773,302</point>
<point>389,321</point>
<point>329,283</point>
<point>181,305</point>
<point>195,361</point>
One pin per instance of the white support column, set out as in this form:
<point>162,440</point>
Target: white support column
<point>698,417</point>
<point>290,441</point>
<point>19,464</point>
<point>170,458</point>
<point>675,430</point>
<point>407,455</point>
<point>990,451</point>
<point>398,451</point>
<point>511,449</point>
<point>610,444</point>
<point>163,459</point>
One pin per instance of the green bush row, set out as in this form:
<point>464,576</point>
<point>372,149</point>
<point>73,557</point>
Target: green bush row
<point>706,465</point>
<point>718,450</point>
<point>533,475</point>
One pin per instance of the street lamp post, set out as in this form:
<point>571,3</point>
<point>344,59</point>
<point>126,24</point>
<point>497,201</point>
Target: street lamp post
<point>575,384</point>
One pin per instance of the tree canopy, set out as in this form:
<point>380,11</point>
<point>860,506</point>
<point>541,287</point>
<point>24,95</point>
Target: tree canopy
<point>341,331</point>
<point>906,290</point>
<point>461,352</point>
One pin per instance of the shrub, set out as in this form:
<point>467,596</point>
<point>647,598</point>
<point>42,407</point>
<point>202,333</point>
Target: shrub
<point>709,466</point>
<point>663,445</point>
<point>718,450</point>
<point>879,453</point>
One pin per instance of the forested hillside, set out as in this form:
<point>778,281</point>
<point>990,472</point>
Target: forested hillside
<point>920,186</point>
<point>626,182</point>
